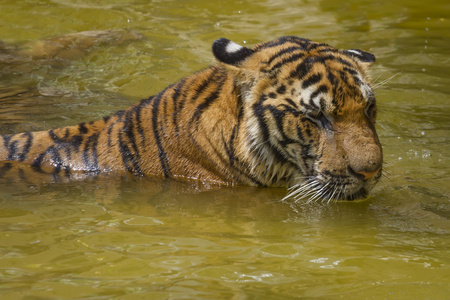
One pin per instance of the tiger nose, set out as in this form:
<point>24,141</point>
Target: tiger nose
<point>368,175</point>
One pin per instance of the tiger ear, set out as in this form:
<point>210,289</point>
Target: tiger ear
<point>360,56</point>
<point>229,52</point>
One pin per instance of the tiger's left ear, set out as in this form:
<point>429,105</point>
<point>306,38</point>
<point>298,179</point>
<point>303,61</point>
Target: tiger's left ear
<point>360,56</point>
<point>229,52</point>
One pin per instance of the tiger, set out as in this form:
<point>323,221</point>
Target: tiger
<point>289,113</point>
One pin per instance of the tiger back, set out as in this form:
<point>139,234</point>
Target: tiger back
<point>289,112</point>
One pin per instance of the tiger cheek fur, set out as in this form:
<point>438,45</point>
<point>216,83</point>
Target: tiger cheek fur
<point>289,112</point>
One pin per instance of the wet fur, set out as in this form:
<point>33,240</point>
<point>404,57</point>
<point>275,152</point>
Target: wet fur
<point>290,112</point>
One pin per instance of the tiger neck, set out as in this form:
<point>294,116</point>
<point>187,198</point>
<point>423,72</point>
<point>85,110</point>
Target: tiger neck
<point>264,165</point>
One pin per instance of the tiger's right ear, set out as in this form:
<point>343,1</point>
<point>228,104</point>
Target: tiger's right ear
<point>229,52</point>
<point>360,56</point>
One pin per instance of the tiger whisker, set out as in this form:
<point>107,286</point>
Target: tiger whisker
<point>315,197</point>
<point>319,192</point>
<point>340,192</point>
<point>300,190</point>
<point>314,190</point>
<point>386,172</point>
<point>298,184</point>
<point>385,81</point>
<point>332,195</point>
<point>298,193</point>
<point>307,193</point>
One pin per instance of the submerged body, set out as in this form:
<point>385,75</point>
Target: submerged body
<point>290,112</point>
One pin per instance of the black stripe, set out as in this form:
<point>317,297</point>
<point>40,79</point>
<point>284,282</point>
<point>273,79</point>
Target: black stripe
<point>293,104</point>
<point>351,71</point>
<point>129,130</point>
<point>229,145</point>
<point>140,129</point>
<point>321,89</point>
<point>199,89</point>
<point>302,69</point>
<point>90,160</point>
<point>67,133</point>
<point>259,110</point>
<point>120,113</point>
<point>284,51</point>
<point>345,62</point>
<point>6,140</point>
<point>130,157</point>
<point>278,116</point>
<point>109,133</point>
<point>131,165</point>
<point>57,162</point>
<point>289,59</point>
<point>82,128</point>
<point>64,143</point>
<point>177,105</point>
<point>56,158</point>
<point>12,150</point>
<point>76,142</point>
<point>53,136</point>
<point>300,135</point>
<point>332,79</point>
<point>312,46</point>
<point>125,153</point>
<point>281,89</point>
<point>208,100</point>
<point>27,147</point>
<point>313,79</point>
<point>162,154</point>
<point>203,106</point>
<point>285,39</point>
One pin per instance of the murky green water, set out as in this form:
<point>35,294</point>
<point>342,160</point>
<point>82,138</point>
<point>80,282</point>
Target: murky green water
<point>149,239</point>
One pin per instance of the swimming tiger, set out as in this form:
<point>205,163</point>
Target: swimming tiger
<point>289,112</point>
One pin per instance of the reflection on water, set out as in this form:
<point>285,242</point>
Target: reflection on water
<point>123,237</point>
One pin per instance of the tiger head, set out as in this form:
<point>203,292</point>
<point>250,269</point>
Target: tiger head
<point>309,114</point>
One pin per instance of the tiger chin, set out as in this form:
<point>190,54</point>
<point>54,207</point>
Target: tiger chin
<point>290,112</point>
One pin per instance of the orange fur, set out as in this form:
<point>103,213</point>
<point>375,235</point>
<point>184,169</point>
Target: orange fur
<point>280,114</point>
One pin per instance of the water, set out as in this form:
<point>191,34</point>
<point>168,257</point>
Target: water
<point>139,238</point>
